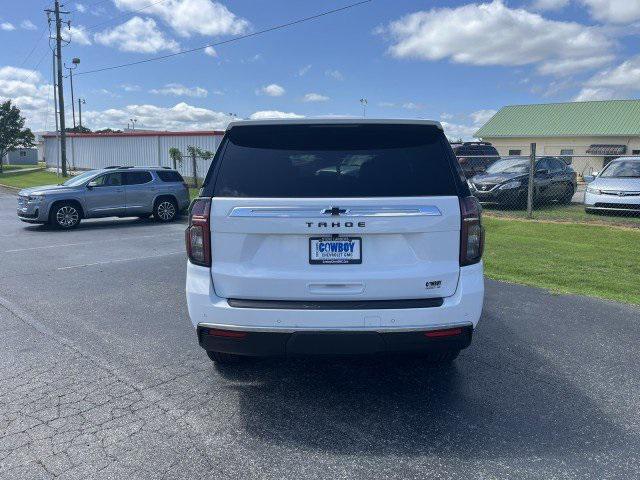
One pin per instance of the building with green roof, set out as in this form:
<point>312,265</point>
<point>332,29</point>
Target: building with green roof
<point>599,130</point>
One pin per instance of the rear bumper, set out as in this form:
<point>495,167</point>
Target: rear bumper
<point>278,343</point>
<point>378,326</point>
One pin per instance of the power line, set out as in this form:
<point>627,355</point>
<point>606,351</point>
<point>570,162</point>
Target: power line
<point>117,17</point>
<point>235,39</point>
<point>44,30</point>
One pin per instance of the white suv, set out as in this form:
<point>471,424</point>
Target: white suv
<point>334,237</point>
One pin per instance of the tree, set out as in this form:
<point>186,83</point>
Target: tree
<point>78,129</point>
<point>13,135</point>
<point>176,157</point>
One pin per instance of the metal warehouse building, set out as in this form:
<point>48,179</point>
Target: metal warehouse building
<point>98,150</point>
<point>601,129</point>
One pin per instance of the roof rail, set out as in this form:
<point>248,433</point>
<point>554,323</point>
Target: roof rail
<point>112,166</point>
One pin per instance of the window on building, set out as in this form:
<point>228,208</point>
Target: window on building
<point>635,152</point>
<point>566,159</point>
<point>23,153</point>
<point>515,152</point>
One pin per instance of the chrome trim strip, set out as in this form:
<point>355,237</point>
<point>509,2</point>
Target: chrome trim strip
<point>423,328</point>
<point>620,193</point>
<point>307,212</point>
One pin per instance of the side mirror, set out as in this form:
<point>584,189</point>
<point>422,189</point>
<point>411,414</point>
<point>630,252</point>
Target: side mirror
<point>92,184</point>
<point>595,174</point>
<point>588,178</point>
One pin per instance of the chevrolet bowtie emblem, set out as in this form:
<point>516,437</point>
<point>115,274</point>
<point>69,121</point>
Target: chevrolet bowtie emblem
<point>335,211</point>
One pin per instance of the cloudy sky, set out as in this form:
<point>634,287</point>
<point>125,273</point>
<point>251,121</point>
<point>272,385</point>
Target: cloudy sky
<point>448,60</point>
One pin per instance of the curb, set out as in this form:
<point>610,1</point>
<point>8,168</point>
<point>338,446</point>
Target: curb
<point>10,187</point>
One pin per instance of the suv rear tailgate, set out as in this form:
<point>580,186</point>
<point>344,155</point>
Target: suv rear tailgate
<point>261,248</point>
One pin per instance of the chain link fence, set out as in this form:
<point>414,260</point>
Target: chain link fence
<point>565,187</point>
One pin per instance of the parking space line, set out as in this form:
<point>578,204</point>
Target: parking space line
<point>16,250</point>
<point>182,252</point>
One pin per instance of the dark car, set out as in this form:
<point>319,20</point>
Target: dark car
<point>506,182</point>
<point>474,157</point>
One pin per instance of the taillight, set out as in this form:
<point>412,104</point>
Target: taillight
<point>471,231</point>
<point>198,233</point>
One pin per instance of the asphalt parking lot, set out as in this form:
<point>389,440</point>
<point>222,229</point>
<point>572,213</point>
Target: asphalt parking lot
<point>101,377</point>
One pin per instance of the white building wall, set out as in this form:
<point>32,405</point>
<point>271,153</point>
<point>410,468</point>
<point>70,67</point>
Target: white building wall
<point>554,145</point>
<point>92,152</point>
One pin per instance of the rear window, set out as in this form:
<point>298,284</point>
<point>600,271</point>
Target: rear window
<point>351,160</point>
<point>169,176</point>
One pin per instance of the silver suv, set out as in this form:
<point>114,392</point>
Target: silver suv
<point>109,192</point>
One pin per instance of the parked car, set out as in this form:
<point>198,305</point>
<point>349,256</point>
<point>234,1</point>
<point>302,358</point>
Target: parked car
<point>616,189</point>
<point>289,253</point>
<point>109,192</point>
<point>506,182</point>
<point>474,157</point>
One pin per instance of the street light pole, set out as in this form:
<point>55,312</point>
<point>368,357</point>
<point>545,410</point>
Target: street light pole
<point>364,103</point>
<point>81,101</point>
<point>75,62</point>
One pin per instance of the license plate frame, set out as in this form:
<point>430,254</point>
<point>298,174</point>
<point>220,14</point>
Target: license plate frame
<point>335,261</point>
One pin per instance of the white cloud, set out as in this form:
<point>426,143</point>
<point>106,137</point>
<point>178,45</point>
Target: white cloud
<point>549,4</point>
<point>335,74</point>
<point>77,35</point>
<point>187,17</point>
<point>493,34</point>
<point>211,52</point>
<point>466,130</point>
<point>621,81</point>
<point>273,90</point>
<point>81,8</point>
<point>273,114</point>
<point>182,116</point>
<point>303,70</point>
<point>387,104</point>
<point>412,106</point>
<point>128,87</point>
<point>614,11</point>
<point>28,25</point>
<point>480,117</point>
<point>315,97</point>
<point>569,66</point>
<point>106,93</point>
<point>137,35</point>
<point>7,26</point>
<point>27,90</point>
<point>587,94</point>
<point>178,90</point>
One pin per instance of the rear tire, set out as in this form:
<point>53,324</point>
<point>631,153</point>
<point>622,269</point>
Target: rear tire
<point>65,216</point>
<point>165,210</point>
<point>441,359</point>
<point>223,358</point>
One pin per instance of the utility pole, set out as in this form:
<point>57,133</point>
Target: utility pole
<point>63,137</point>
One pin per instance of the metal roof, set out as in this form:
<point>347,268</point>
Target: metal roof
<point>572,119</point>
<point>335,121</point>
<point>134,133</point>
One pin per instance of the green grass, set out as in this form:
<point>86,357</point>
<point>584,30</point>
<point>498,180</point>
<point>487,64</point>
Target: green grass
<point>594,260</point>
<point>565,213</point>
<point>10,168</point>
<point>29,179</point>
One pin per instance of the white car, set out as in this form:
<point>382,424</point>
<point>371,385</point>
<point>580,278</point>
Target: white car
<point>616,189</point>
<point>292,254</point>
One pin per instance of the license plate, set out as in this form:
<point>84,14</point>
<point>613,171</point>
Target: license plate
<point>335,250</point>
